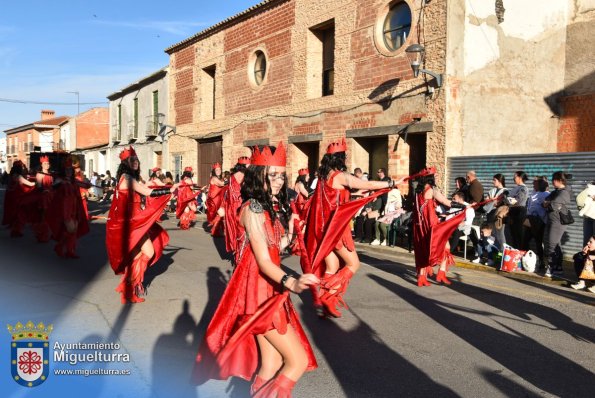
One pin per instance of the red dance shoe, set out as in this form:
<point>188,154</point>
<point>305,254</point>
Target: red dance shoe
<point>441,278</point>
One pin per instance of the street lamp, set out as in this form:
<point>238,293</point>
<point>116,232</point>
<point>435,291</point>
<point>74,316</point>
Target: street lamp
<point>78,102</point>
<point>416,54</point>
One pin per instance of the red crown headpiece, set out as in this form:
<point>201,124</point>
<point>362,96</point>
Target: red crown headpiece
<point>337,147</point>
<point>188,168</point>
<point>126,153</point>
<point>303,172</point>
<point>155,169</point>
<point>244,160</point>
<point>216,166</point>
<point>266,158</point>
<point>44,159</point>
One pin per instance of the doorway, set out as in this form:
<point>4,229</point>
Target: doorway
<point>307,156</point>
<point>370,154</point>
<point>209,152</point>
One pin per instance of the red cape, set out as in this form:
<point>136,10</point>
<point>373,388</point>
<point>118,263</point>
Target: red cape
<point>67,204</point>
<point>214,200</point>
<point>231,203</point>
<point>185,196</point>
<point>127,224</point>
<point>18,200</point>
<point>429,234</point>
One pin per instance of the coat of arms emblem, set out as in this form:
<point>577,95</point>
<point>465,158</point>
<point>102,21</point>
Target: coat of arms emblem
<point>29,353</point>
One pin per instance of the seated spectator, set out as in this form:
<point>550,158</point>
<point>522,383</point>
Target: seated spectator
<point>461,186</point>
<point>392,210</point>
<point>475,190</point>
<point>584,260</point>
<point>465,227</point>
<point>534,224</point>
<point>367,222</point>
<point>486,248</point>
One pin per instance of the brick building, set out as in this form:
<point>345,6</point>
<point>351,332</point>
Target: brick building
<point>88,134</point>
<point>43,135</point>
<point>308,73</point>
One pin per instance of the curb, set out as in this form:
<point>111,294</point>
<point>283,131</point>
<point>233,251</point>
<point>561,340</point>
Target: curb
<point>459,262</point>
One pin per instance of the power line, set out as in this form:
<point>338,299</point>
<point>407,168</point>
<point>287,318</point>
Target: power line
<point>15,101</point>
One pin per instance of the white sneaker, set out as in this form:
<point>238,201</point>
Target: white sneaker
<point>591,289</point>
<point>375,242</point>
<point>476,260</point>
<point>383,243</point>
<point>548,272</point>
<point>579,285</point>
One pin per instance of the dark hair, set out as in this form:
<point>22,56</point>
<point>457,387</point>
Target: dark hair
<point>153,175</point>
<point>486,225</point>
<point>542,184</point>
<point>460,194</point>
<point>186,174</point>
<point>382,170</point>
<point>215,175</point>
<point>109,173</point>
<point>560,176</point>
<point>356,170</point>
<point>334,161</point>
<point>302,179</point>
<point>17,169</point>
<point>124,168</point>
<point>238,167</point>
<point>169,175</point>
<point>423,181</point>
<point>521,174</point>
<point>254,188</point>
<point>501,178</point>
<point>461,180</point>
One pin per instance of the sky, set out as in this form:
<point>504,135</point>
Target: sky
<point>48,48</point>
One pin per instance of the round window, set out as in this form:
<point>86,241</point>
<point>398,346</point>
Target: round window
<point>396,26</point>
<point>260,67</point>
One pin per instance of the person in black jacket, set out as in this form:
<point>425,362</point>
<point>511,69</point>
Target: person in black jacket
<point>558,201</point>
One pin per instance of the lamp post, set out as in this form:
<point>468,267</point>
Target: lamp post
<point>78,102</point>
<point>416,54</point>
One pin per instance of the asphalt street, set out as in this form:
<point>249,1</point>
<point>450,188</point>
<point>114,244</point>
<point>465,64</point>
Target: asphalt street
<point>483,336</point>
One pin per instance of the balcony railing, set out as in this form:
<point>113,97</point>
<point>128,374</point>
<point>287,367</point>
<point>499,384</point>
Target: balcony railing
<point>116,133</point>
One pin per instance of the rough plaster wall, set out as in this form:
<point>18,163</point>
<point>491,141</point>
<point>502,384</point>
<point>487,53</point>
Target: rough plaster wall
<point>580,49</point>
<point>501,75</point>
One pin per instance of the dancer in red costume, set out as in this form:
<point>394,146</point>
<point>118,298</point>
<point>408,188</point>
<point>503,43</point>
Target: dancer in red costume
<point>215,198</point>
<point>68,219</point>
<point>302,188</point>
<point>341,261</point>
<point>156,177</point>
<point>82,183</point>
<point>232,200</point>
<point>134,240</point>
<point>255,322</point>
<point>44,181</point>
<point>186,206</point>
<point>430,237</point>
<point>19,196</point>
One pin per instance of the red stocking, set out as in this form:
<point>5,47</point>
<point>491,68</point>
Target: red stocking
<point>257,384</point>
<point>279,387</point>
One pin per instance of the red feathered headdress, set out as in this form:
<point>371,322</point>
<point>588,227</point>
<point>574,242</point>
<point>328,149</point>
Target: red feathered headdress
<point>44,159</point>
<point>188,168</point>
<point>266,158</point>
<point>216,166</point>
<point>303,172</point>
<point>337,147</point>
<point>244,160</point>
<point>155,169</point>
<point>126,153</point>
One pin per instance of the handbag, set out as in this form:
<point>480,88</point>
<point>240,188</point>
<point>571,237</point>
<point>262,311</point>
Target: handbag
<point>566,218</point>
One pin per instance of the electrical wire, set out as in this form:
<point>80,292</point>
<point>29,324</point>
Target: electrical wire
<point>16,101</point>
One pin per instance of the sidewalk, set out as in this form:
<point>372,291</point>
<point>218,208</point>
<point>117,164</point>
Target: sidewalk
<point>563,281</point>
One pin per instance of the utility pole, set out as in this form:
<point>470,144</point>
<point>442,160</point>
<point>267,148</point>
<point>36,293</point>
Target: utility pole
<point>78,102</point>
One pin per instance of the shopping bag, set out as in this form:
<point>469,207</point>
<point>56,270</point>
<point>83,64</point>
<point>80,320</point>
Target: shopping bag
<point>511,259</point>
<point>587,272</point>
<point>529,261</point>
